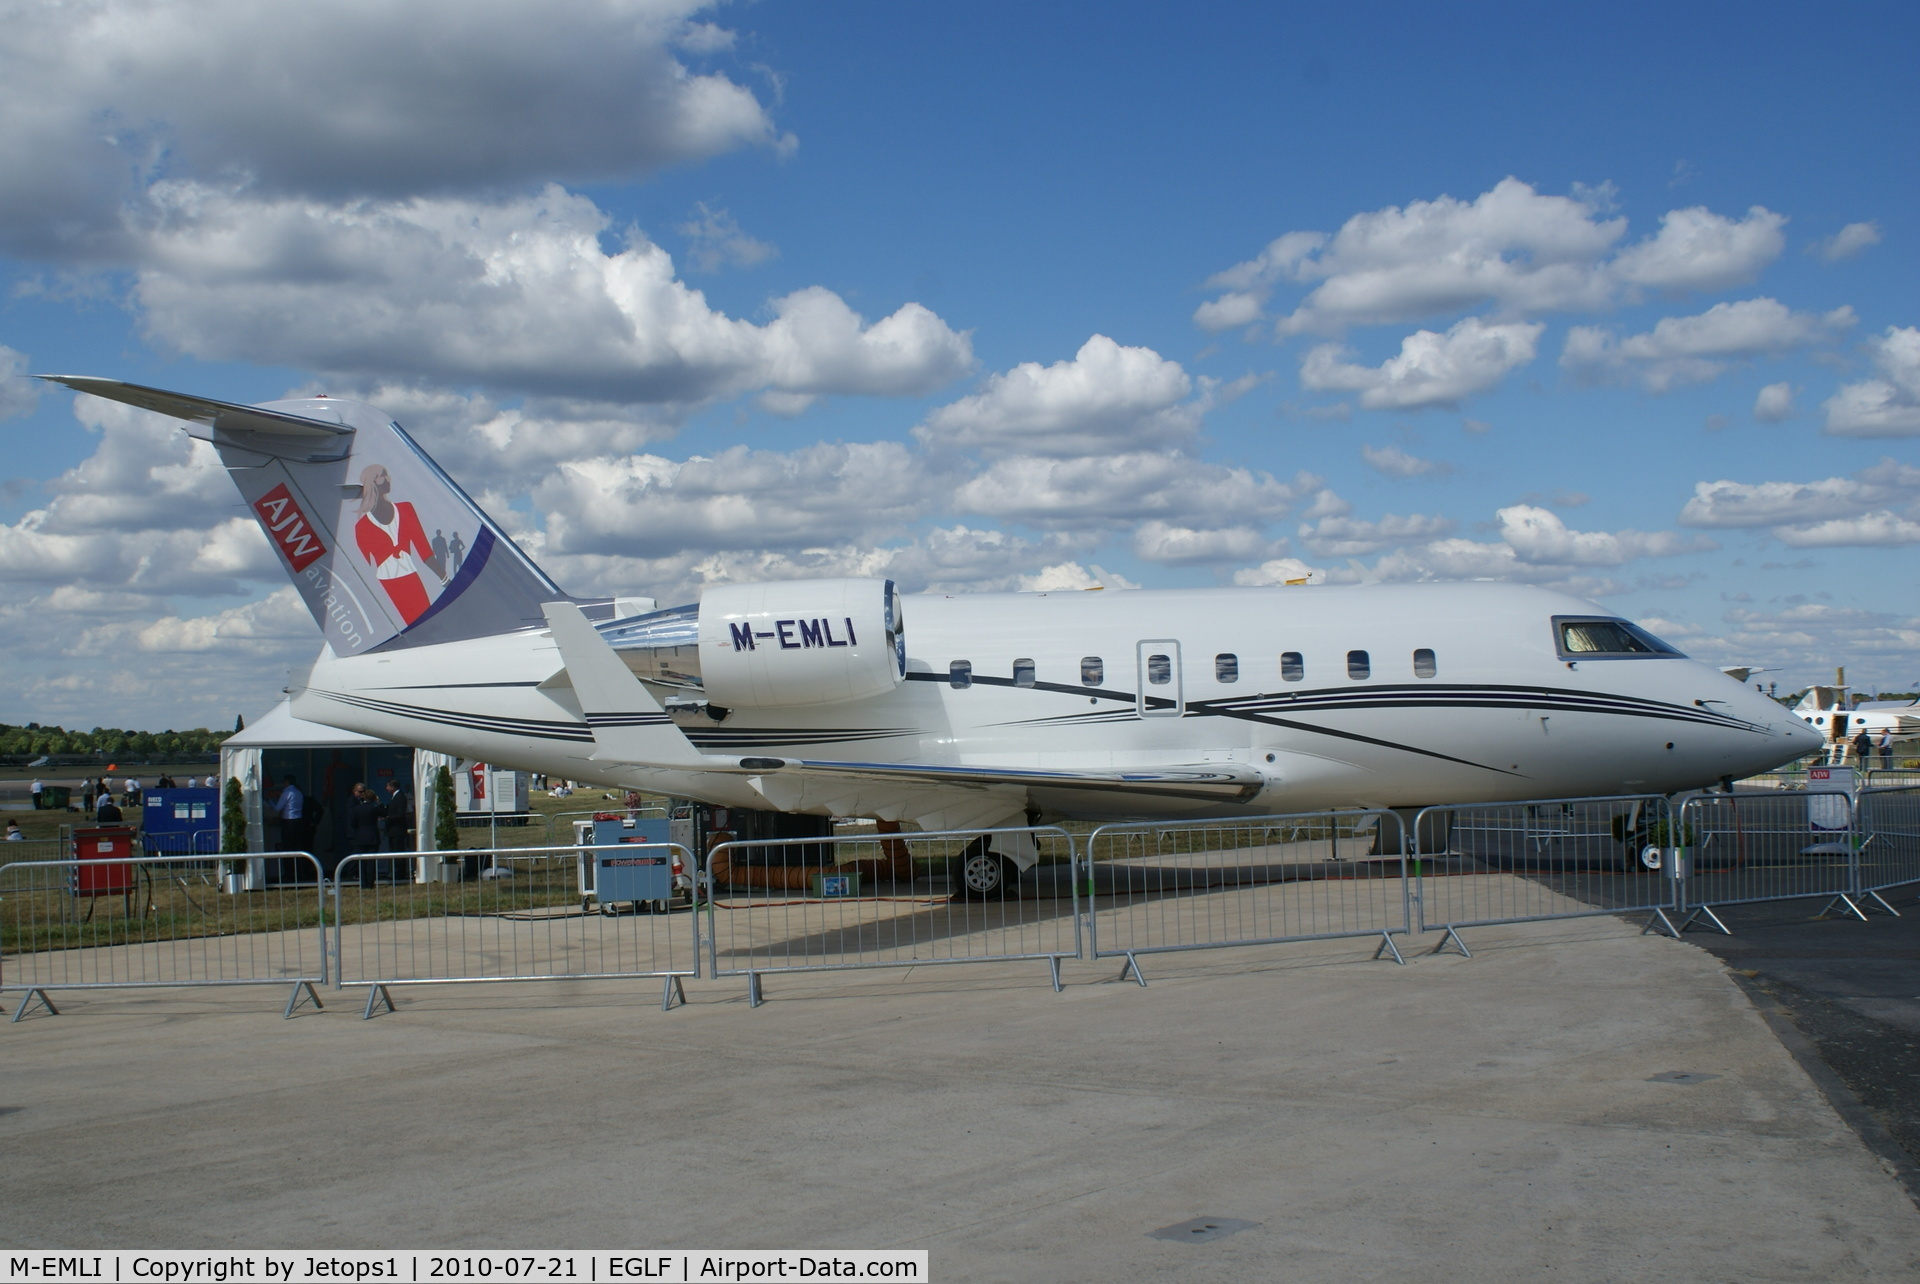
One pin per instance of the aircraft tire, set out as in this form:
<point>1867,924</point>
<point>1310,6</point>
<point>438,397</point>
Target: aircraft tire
<point>983,875</point>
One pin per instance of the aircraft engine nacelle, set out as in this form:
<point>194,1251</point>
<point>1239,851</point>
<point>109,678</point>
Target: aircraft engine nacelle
<point>801,642</point>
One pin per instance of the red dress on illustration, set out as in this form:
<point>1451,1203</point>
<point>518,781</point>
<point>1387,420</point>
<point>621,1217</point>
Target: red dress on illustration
<point>390,547</point>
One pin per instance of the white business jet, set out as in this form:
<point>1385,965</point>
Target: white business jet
<point>1825,709</point>
<point>993,709</point>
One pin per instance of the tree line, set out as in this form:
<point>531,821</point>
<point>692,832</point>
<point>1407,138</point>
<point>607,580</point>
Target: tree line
<point>34,740</point>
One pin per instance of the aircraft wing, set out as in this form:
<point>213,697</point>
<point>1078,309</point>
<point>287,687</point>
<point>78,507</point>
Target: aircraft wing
<point>630,727</point>
<point>1222,782</point>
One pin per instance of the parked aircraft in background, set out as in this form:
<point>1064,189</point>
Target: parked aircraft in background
<point>1825,709</point>
<point>991,709</point>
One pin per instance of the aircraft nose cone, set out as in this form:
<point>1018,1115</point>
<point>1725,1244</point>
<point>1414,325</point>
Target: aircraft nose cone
<point>1800,737</point>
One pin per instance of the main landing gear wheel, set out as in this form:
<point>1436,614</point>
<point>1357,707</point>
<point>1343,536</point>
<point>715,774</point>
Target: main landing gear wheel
<point>984,875</point>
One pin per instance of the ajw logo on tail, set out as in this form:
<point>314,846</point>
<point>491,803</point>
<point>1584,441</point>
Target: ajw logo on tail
<point>289,528</point>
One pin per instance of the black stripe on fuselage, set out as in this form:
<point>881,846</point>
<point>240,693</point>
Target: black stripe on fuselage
<point>1198,709</point>
<point>531,728</point>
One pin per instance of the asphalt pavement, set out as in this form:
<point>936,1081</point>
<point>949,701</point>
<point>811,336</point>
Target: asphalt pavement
<point>1845,997</point>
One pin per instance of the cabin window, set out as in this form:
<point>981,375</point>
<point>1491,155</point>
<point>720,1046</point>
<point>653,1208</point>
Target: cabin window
<point>1607,639</point>
<point>960,674</point>
<point>1358,665</point>
<point>1092,671</point>
<point>1424,665</point>
<point>1226,667</point>
<point>1293,666</point>
<point>1023,673</point>
<point>1159,670</point>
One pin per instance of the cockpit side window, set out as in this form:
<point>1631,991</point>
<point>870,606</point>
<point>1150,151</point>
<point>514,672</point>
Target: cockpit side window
<point>1607,639</point>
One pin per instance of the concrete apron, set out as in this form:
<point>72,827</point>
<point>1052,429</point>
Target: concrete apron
<point>1493,1118</point>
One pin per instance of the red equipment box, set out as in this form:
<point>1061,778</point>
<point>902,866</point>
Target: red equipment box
<point>104,867</point>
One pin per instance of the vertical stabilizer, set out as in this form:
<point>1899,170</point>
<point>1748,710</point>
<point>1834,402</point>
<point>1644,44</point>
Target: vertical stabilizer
<point>385,549</point>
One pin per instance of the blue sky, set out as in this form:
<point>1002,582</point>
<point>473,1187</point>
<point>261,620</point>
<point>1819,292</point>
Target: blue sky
<point>987,297</point>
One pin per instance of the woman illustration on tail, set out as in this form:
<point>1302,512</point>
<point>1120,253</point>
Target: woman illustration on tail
<point>390,537</point>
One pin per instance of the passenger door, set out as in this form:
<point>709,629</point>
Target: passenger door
<point>1158,682</point>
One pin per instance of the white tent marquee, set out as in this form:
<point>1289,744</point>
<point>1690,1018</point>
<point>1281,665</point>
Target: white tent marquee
<point>272,743</point>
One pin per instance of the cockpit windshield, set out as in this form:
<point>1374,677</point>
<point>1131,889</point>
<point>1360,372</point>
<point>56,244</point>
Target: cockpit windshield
<point>1607,639</point>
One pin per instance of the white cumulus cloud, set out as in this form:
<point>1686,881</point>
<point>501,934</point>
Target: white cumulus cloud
<point>344,100</point>
<point>1774,403</point>
<point>1108,397</point>
<point>1845,243</point>
<point>649,506</point>
<point>1431,369</point>
<point>1696,249</point>
<point>18,394</point>
<point>1888,406</point>
<point>1169,544</point>
<point>1351,537</point>
<point>1696,349</point>
<point>1876,506</point>
<point>513,294</point>
<point>1511,251</point>
<point>715,241</point>
<point>1392,461</point>
<point>1119,490</point>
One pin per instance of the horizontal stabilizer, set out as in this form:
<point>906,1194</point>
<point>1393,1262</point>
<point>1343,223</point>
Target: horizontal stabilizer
<point>223,415</point>
<point>629,726</point>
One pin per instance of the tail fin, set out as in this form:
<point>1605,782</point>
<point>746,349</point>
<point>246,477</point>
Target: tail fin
<point>382,545</point>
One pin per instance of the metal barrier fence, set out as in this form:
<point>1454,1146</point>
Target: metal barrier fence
<point>1888,854</point>
<point>890,900</point>
<point>147,921</point>
<point>1556,858</point>
<point>1746,848</point>
<point>514,914</point>
<point>1155,888</point>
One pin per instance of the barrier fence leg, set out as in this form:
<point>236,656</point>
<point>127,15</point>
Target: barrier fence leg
<point>1452,938</point>
<point>674,990</point>
<point>754,995</point>
<point>1053,962</point>
<point>376,995</point>
<point>28,999</point>
<point>1659,918</point>
<point>1705,917</point>
<point>339,932</point>
<point>1387,946</point>
<point>1882,902</point>
<point>1846,900</point>
<point>300,988</point>
<point>1132,965</point>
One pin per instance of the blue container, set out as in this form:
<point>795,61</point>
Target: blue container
<point>180,822</point>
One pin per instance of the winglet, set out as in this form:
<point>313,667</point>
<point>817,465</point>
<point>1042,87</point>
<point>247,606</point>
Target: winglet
<point>628,723</point>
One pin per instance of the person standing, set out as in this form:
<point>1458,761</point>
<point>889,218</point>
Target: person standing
<point>1863,749</point>
<point>291,808</point>
<point>38,786</point>
<point>399,818</point>
<point>363,831</point>
<point>1886,749</point>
